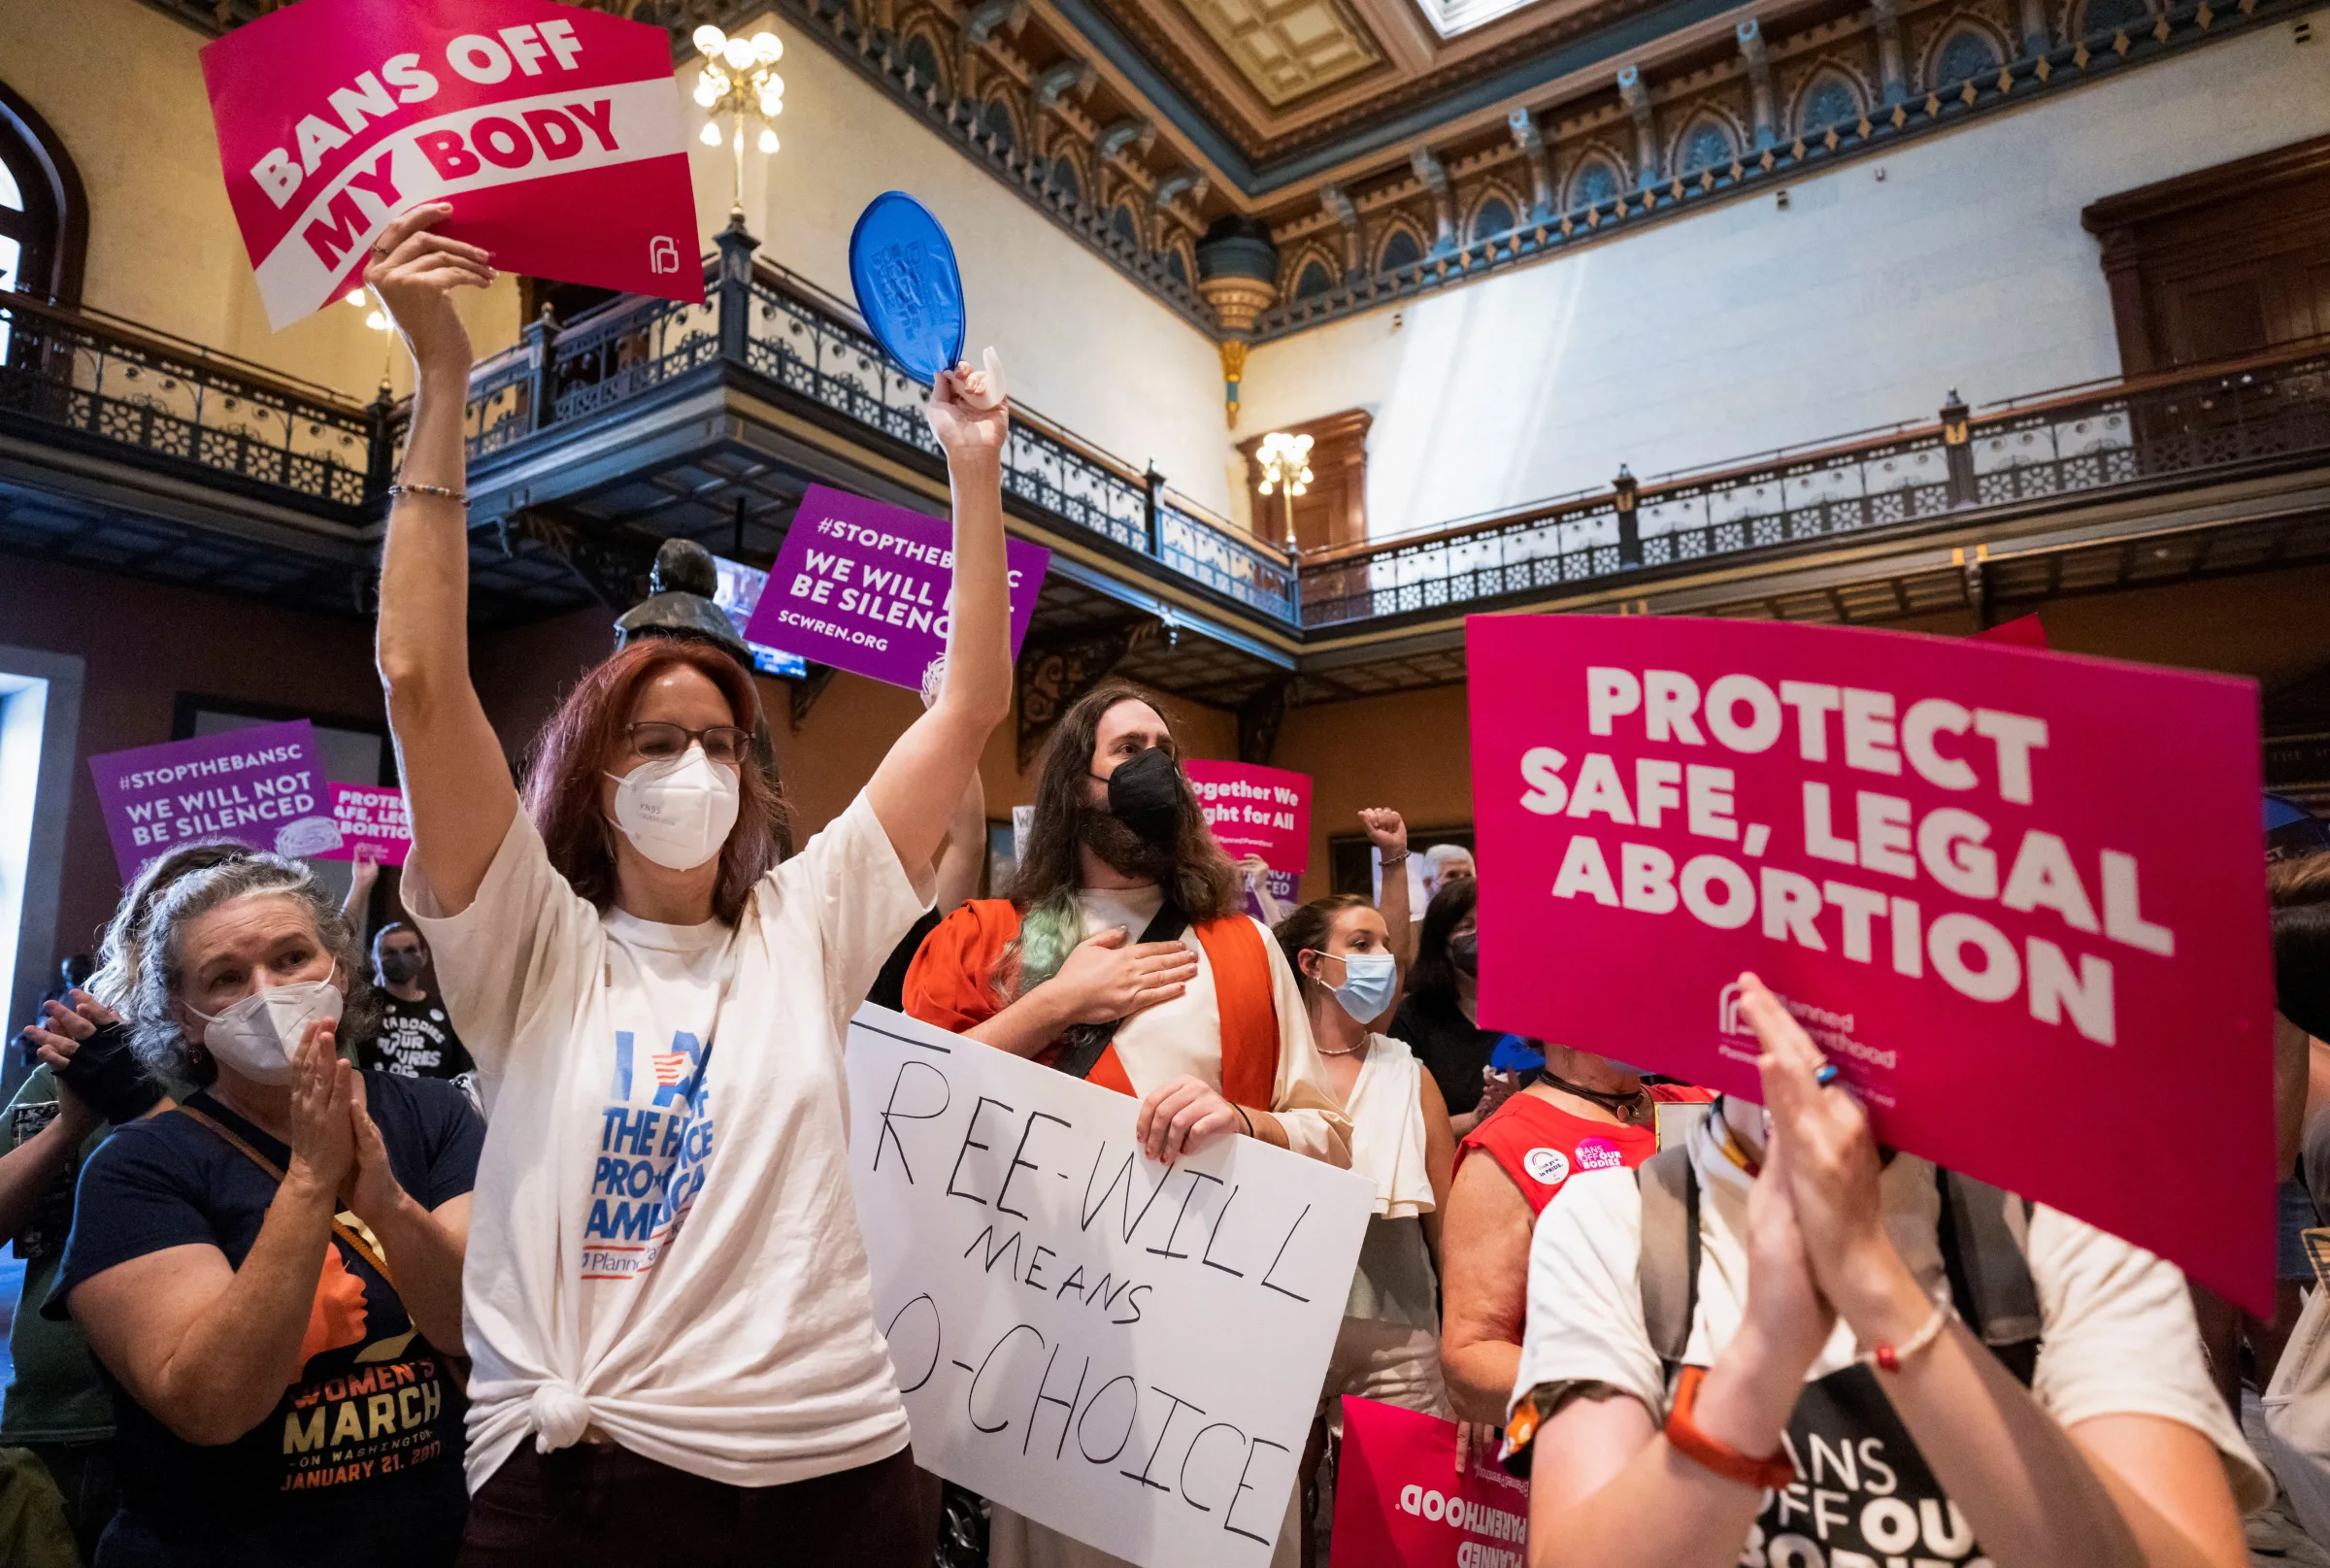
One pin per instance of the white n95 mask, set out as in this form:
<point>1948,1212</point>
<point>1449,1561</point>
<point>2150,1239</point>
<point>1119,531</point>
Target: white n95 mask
<point>257,1034</point>
<point>676,811</point>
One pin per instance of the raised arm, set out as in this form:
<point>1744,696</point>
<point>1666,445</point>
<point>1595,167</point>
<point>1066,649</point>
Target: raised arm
<point>915,789</point>
<point>456,782</point>
<point>965,854</point>
<point>1387,842</point>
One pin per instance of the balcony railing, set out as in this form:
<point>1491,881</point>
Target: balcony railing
<point>2025,451</point>
<point>776,324</point>
<point>185,406</point>
<point>85,373</point>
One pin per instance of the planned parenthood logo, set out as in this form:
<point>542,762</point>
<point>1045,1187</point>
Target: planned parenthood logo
<point>1832,1032</point>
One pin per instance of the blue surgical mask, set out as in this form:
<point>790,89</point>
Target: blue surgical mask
<point>1368,978</point>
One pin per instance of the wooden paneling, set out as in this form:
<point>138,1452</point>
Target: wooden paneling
<point>1334,510</point>
<point>2221,262</point>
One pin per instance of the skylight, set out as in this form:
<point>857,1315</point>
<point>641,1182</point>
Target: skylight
<point>1449,18</point>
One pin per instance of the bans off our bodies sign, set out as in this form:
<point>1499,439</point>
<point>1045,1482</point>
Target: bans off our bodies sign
<point>555,133</point>
<point>2016,897</point>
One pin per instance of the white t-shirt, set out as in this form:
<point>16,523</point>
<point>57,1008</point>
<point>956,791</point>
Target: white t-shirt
<point>1184,1036</point>
<point>2117,1335</point>
<point>685,1276</point>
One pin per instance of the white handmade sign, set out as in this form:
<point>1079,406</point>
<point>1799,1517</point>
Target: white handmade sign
<point>1126,1352</point>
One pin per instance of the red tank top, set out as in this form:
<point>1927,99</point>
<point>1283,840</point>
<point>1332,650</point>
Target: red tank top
<point>1541,1145</point>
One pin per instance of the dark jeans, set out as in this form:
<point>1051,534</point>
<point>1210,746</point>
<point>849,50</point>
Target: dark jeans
<point>597,1504</point>
<point>83,1472</point>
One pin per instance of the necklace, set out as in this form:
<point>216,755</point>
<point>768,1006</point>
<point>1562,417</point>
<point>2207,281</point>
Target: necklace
<point>1347,1051</point>
<point>1628,1107</point>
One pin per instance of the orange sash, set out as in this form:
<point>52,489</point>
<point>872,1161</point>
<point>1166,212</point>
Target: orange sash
<point>952,984</point>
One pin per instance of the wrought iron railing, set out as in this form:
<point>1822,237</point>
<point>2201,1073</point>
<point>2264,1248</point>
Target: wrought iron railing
<point>83,372</point>
<point>181,404</point>
<point>2186,422</point>
<point>779,325</point>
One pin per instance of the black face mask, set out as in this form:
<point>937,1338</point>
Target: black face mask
<point>1145,793</point>
<point>1464,952</point>
<point>401,968</point>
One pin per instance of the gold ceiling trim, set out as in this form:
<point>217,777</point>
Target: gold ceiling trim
<point>1287,49</point>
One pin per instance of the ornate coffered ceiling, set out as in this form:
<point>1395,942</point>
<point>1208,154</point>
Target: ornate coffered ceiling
<point>1287,49</point>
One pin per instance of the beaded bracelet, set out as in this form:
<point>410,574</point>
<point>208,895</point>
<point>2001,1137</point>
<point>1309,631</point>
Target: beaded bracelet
<point>1888,1357</point>
<point>398,492</point>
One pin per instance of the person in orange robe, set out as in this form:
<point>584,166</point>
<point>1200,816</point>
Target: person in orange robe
<point>1124,957</point>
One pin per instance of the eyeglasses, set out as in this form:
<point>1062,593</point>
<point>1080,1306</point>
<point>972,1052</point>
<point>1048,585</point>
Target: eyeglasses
<point>722,743</point>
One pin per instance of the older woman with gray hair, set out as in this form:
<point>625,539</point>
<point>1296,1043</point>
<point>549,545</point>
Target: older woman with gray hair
<point>271,1271</point>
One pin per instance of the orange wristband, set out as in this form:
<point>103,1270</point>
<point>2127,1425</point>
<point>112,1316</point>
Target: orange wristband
<point>1684,1433</point>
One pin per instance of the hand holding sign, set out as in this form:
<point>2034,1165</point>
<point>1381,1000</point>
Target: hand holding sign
<point>414,272</point>
<point>968,414</point>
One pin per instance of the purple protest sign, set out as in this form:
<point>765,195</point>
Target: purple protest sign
<point>259,786</point>
<point>865,588</point>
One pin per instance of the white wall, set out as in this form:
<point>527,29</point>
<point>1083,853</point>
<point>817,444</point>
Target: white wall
<point>1745,327</point>
<point>1083,345</point>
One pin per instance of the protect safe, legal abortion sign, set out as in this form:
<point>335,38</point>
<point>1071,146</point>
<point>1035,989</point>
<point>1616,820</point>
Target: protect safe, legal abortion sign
<point>2017,897</point>
<point>557,134</point>
<point>1129,1352</point>
<point>259,786</point>
<point>867,587</point>
<point>1255,810</point>
<point>374,814</point>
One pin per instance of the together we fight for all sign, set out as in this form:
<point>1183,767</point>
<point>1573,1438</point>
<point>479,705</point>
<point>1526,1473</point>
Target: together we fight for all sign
<point>1056,1303</point>
<point>555,133</point>
<point>2017,897</point>
<point>1257,810</point>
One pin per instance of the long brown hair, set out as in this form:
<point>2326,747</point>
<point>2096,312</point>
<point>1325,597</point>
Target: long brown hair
<point>586,736</point>
<point>1204,884</point>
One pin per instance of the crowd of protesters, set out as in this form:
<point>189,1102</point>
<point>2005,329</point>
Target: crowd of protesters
<point>318,1270</point>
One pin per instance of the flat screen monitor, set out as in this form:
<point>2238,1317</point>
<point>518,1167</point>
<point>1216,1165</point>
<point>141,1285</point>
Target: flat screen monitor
<point>739,592</point>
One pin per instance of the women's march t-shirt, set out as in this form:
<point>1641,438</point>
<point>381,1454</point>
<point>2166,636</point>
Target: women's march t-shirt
<point>664,1245</point>
<point>364,1450</point>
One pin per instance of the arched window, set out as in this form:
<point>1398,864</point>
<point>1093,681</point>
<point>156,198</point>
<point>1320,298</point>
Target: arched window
<point>1314,281</point>
<point>1064,180</point>
<point>1707,144</point>
<point>1125,227</point>
<point>44,218</point>
<point>1831,101</point>
<point>998,120</point>
<point>1494,218</point>
<point>921,63</point>
<point>1594,183</point>
<point>1175,265</point>
<point>1967,55</point>
<point>2109,17</point>
<point>1402,250</point>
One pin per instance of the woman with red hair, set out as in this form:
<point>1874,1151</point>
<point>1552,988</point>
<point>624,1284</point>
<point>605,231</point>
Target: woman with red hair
<point>667,1297</point>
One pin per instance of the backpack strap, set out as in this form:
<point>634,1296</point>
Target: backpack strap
<point>1667,1268</point>
<point>1990,1275</point>
<point>1087,1043</point>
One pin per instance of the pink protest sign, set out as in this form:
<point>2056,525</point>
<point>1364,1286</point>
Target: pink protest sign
<point>2017,897</point>
<point>374,814</point>
<point>557,134</point>
<point>1400,1499</point>
<point>865,588</point>
<point>259,787</point>
<point>1258,811</point>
